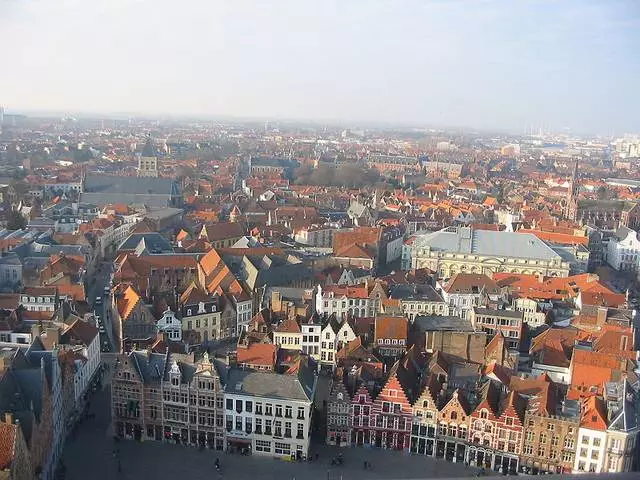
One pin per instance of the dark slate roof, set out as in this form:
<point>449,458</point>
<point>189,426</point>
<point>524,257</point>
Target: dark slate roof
<point>148,150</point>
<point>128,185</point>
<point>150,366</point>
<point>414,292</point>
<point>150,191</point>
<point>429,323</point>
<point>30,383</point>
<point>154,242</point>
<point>272,385</point>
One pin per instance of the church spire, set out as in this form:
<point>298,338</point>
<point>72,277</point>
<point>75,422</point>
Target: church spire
<point>571,211</point>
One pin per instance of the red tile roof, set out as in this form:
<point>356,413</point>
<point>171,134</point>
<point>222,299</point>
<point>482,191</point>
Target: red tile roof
<point>391,327</point>
<point>8,434</point>
<point>260,354</point>
<point>594,415</point>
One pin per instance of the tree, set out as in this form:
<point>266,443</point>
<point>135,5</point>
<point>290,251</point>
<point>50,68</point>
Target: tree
<point>16,221</point>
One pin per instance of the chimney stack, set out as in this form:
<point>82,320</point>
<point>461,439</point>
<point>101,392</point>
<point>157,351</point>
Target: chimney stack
<point>602,315</point>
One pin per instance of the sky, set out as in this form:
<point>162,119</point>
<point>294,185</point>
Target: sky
<point>508,64</point>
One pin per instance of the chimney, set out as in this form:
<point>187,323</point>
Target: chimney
<point>602,315</point>
<point>53,335</point>
<point>36,330</point>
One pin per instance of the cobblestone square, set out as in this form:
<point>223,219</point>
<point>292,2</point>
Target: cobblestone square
<point>89,454</point>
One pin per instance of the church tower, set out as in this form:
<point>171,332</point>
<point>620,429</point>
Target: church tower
<point>571,211</point>
<point>148,161</point>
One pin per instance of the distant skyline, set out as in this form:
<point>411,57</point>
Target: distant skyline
<point>489,64</point>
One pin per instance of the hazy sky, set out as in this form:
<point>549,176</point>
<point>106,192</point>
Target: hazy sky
<point>477,63</point>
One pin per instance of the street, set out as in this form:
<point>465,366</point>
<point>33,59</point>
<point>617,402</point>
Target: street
<point>96,290</point>
<point>90,454</point>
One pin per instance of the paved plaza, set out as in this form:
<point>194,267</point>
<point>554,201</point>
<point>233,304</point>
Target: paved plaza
<point>89,454</point>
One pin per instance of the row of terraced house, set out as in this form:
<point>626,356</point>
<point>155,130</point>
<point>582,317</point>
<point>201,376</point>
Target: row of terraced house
<point>429,404</point>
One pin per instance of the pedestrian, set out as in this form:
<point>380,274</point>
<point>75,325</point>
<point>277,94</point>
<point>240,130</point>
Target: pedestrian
<point>317,456</point>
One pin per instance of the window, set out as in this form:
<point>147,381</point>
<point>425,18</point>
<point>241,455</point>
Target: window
<point>268,409</point>
<point>543,437</point>
<point>288,411</point>
<point>528,449</point>
<point>287,429</point>
<point>248,427</point>
<point>581,466</point>
<point>277,428</point>
<point>596,442</point>
<point>248,406</point>
<point>300,413</point>
<point>267,427</point>
<point>583,452</point>
<point>283,448</point>
<point>483,414</point>
<point>239,423</point>
<point>229,423</point>
<point>263,445</point>
<point>509,421</point>
<point>595,454</point>
<point>300,432</point>
<point>585,440</point>
<point>278,410</point>
<point>229,404</point>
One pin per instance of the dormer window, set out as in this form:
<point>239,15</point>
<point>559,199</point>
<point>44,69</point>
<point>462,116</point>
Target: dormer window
<point>484,414</point>
<point>175,381</point>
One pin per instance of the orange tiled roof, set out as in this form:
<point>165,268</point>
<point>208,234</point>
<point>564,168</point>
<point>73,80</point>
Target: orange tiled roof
<point>8,434</point>
<point>289,325</point>
<point>263,354</point>
<point>354,251</point>
<point>560,238</point>
<point>391,327</point>
<point>594,415</point>
<point>349,291</point>
<point>128,300</point>
<point>75,291</point>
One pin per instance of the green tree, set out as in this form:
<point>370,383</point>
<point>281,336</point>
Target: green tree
<point>602,193</point>
<point>16,221</point>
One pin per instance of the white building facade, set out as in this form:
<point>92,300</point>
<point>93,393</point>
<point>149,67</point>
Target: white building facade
<point>268,413</point>
<point>623,250</point>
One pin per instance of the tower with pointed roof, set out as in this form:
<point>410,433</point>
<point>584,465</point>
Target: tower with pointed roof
<point>147,160</point>
<point>571,209</point>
